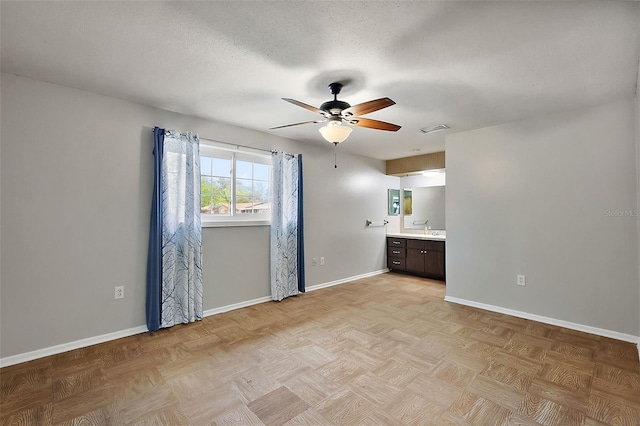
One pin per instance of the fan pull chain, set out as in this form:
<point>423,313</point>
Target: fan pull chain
<point>335,155</point>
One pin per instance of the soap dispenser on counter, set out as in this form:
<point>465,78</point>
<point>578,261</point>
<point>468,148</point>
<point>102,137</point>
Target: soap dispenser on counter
<point>426,227</point>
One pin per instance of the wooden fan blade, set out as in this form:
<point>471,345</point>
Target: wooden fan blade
<point>297,124</point>
<point>373,124</point>
<point>303,105</point>
<point>367,107</point>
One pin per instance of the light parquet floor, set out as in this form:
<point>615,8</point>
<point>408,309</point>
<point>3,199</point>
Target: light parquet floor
<point>385,350</point>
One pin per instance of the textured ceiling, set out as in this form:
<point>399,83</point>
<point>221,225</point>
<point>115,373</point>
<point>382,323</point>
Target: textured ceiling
<point>466,64</point>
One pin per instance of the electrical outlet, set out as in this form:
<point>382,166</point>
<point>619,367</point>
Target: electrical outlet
<point>119,293</point>
<point>314,261</point>
<point>322,261</point>
<point>520,280</point>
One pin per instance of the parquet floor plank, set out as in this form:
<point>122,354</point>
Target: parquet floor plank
<point>278,406</point>
<point>241,416</point>
<point>478,410</point>
<point>385,350</point>
<point>497,392</point>
<point>309,417</point>
<point>344,408</point>
<point>207,406</point>
<point>374,388</point>
<point>409,408</point>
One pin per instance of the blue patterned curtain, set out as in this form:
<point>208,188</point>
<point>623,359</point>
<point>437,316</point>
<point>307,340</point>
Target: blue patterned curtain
<point>287,242</point>
<point>301,273</point>
<point>174,275</point>
<point>154,259</point>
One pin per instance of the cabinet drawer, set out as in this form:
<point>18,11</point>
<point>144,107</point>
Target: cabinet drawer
<point>393,263</point>
<point>396,242</point>
<point>396,252</point>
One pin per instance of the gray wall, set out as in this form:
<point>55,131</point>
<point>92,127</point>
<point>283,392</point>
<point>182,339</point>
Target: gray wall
<point>531,198</point>
<point>76,179</point>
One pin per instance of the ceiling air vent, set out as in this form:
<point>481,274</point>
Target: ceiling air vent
<point>434,128</point>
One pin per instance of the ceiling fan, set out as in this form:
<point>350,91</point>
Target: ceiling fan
<point>334,112</point>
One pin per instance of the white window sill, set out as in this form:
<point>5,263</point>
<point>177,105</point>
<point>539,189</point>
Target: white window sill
<point>233,223</point>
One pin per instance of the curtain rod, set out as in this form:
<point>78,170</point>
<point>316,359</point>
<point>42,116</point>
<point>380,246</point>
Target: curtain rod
<point>272,151</point>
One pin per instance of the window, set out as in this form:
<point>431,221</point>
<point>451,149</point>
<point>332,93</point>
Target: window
<point>234,187</point>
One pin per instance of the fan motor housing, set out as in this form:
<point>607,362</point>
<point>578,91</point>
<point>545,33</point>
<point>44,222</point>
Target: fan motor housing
<point>334,107</point>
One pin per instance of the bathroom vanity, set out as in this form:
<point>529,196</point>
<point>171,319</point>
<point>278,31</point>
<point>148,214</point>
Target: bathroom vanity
<point>417,254</point>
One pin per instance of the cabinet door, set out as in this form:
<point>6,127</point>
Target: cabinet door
<point>434,245</point>
<point>415,260</point>
<point>434,263</point>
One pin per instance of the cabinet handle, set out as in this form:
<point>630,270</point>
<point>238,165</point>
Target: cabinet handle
<point>395,262</point>
<point>396,252</point>
<point>396,242</point>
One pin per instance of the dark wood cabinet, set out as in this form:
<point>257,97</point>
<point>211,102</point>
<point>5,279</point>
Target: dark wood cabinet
<point>415,260</point>
<point>426,258</point>
<point>416,256</point>
<point>396,253</point>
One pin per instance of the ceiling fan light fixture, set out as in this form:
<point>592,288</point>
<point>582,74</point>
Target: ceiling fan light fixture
<point>335,111</point>
<point>334,132</point>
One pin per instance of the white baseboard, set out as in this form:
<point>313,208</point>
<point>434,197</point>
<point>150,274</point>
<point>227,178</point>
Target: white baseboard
<point>547,320</point>
<point>77,344</point>
<point>58,349</point>
<point>235,306</point>
<point>346,280</point>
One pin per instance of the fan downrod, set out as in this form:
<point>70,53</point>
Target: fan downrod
<point>335,107</point>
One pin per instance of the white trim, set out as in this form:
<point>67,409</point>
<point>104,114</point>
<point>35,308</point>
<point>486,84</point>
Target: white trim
<point>234,306</point>
<point>65,347</point>
<point>547,320</point>
<point>345,280</point>
<point>210,147</point>
<point>232,223</point>
<point>57,349</point>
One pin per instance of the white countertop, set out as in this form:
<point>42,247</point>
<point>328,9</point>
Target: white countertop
<point>418,236</point>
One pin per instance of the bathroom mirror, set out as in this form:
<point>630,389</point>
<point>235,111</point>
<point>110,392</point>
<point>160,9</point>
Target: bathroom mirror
<point>394,202</point>
<point>407,202</point>
<point>428,203</point>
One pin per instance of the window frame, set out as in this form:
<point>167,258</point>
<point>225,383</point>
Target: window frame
<point>211,220</point>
